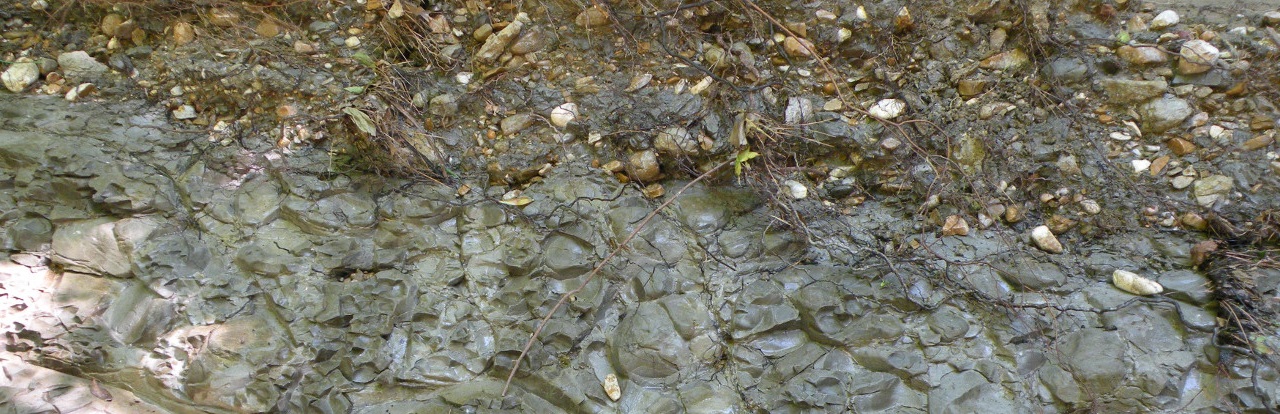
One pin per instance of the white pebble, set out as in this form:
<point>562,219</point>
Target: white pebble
<point>887,109</point>
<point>562,115</point>
<point>1045,240</point>
<point>1132,283</point>
<point>1091,206</point>
<point>1141,165</point>
<point>1164,19</point>
<point>796,190</point>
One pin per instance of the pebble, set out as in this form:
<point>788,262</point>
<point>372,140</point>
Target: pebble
<point>1142,55</point>
<point>1271,18</point>
<point>20,75</point>
<point>1133,91</point>
<point>955,226</point>
<point>1045,240</point>
<point>643,166</point>
<point>1140,165</point>
<point>497,43</point>
<point>653,191</point>
<point>1209,190</point>
<point>592,17</point>
<point>1091,206</point>
<point>1181,182</point>
<point>1164,19</point>
<point>675,140</point>
<point>797,47</point>
<point>303,47</point>
<point>562,115</point>
<point>611,387</point>
<point>80,66</point>
<point>796,190</point>
<point>352,42</point>
<point>969,88</point>
<point>887,108</point>
<point>1194,221</point>
<point>110,22</point>
<point>799,109</point>
<point>1260,141</point>
<point>223,17</point>
<point>183,33</point>
<point>515,123</point>
<point>1196,56</point>
<point>1132,283</point>
<point>1181,146</point>
<point>531,40</point>
<point>184,112</point>
<point>443,105</point>
<point>1160,115</point>
<point>903,21</point>
<point>80,91</point>
<point>639,81</point>
<point>1012,60</point>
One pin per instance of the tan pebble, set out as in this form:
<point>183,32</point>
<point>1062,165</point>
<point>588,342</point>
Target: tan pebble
<point>955,226</point>
<point>110,22</point>
<point>654,190</point>
<point>643,166</point>
<point>1257,142</point>
<point>223,18</point>
<point>267,28</point>
<point>1194,221</point>
<point>592,17</point>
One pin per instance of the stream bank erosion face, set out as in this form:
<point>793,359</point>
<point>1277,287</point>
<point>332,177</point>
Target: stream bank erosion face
<point>993,207</point>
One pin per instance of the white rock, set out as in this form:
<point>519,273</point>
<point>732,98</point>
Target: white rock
<point>1164,19</point>
<point>20,76</point>
<point>562,115</point>
<point>79,91</point>
<point>1132,283</point>
<point>844,34</point>
<point>1140,165</point>
<point>184,112</point>
<point>1045,240</point>
<point>78,65</point>
<point>798,110</point>
<point>611,387</point>
<point>352,42</point>
<point>1199,52</point>
<point>796,190</point>
<point>1217,131</point>
<point>887,108</point>
<point>1091,206</point>
<point>701,86</point>
<point>1120,136</point>
<point>464,77</point>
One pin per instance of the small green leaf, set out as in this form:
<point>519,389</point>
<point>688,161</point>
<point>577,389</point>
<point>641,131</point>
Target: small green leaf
<point>1123,37</point>
<point>354,89</point>
<point>741,160</point>
<point>363,59</point>
<point>361,120</point>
